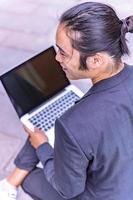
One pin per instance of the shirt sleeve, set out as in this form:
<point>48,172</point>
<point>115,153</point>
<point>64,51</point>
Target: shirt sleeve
<point>65,165</point>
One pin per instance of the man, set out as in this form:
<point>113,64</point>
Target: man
<point>93,151</point>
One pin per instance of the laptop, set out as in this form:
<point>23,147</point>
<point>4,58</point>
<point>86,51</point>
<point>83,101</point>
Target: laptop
<point>40,91</point>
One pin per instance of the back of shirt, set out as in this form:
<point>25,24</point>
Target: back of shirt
<point>93,153</point>
<point>102,126</point>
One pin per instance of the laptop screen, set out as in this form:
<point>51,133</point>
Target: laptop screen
<point>34,82</point>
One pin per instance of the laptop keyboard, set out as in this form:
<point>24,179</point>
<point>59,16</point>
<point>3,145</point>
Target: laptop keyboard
<point>45,119</point>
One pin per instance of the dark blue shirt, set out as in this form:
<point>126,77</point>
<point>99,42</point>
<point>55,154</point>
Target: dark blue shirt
<point>93,154</point>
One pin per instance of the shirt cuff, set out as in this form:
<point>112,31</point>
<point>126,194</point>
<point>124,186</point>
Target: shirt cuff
<point>45,152</point>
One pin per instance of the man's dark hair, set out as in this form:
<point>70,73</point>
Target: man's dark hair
<point>95,27</point>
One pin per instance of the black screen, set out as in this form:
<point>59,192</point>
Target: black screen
<point>35,81</point>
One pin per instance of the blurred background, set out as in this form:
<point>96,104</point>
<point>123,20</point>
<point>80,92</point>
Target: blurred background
<point>28,27</point>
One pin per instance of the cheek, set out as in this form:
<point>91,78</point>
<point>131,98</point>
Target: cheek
<point>73,68</point>
<point>69,68</point>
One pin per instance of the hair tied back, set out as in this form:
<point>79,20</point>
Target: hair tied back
<point>127,25</point>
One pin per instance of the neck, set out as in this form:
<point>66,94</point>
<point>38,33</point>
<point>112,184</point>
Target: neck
<point>109,74</point>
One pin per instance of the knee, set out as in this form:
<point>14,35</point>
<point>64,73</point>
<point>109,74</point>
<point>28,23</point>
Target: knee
<point>26,185</point>
<point>26,188</point>
<point>29,184</point>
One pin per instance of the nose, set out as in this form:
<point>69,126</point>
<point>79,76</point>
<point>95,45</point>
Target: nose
<point>58,57</point>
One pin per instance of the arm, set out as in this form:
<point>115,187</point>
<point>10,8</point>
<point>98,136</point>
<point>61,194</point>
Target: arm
<point>65,166</point>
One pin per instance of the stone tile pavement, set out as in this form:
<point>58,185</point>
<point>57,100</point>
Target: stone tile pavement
<point>26,28</point>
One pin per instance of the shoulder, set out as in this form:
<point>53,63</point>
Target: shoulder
<point>84,118</point>
<point>87,109</point>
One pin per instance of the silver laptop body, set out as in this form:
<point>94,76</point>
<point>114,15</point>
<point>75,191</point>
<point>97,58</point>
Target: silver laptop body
<point>40,91</point>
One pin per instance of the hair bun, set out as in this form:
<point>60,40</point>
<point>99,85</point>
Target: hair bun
<point>128,24</point>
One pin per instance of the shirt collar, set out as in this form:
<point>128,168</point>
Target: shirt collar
<point>111,81</point>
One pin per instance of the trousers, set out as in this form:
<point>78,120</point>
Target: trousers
<point>35,184</point>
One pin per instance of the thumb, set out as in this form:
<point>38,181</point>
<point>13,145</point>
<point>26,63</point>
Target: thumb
<point>27,130</point>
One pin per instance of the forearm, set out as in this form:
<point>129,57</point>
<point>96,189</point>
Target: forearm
<point>64,166</point>
<point>46,155</point>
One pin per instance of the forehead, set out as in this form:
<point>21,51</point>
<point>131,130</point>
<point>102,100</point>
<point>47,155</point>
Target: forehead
<point>62,38</point>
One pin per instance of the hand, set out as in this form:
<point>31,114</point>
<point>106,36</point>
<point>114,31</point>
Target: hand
<point>37,137</point>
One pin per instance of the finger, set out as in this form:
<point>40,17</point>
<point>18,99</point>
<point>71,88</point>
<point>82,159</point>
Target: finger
<point>28,130</point>
<point>30,141</point>
<point>38,130</point>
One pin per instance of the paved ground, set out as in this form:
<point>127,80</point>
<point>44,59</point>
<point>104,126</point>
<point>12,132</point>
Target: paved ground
<point>26,28</point>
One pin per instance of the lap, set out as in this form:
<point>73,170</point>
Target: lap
<point>35,184</point>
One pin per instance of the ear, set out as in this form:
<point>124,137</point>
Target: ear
<point>95,62</point>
